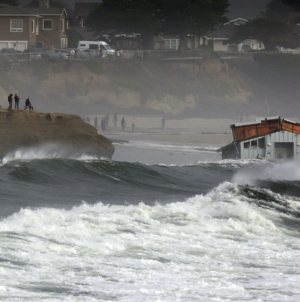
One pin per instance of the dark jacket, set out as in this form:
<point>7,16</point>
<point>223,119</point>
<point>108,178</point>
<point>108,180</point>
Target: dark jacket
<point>10,98</point>
<point>16,99</point>
<point>27,102</point>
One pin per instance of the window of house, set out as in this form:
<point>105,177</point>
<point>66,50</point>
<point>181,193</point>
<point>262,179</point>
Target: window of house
<point>67,24</point>
<point>224,42</point>
<point>173,44</point>
<point>254,143</point>
<point>32,26</point>
<point>16,25</point>
<point>47,24</point>
<point>246,145</point>
<point>62,24</point>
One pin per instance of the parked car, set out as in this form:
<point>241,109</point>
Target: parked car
<point>50,55</point>
<point>89,53</point>
<point>8,50</point>
<point>63,53</point>
<point>107,51</point>
<point>35,53</point>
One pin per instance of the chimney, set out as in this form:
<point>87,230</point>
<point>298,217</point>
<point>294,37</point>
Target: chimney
<point>43,3</point>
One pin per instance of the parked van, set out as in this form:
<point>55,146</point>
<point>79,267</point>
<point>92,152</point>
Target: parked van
<point>106,49</point>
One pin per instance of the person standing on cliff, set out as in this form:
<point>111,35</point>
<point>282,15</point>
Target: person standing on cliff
<point>123,123</point>
<point>133,124</point>
<point>17,99</point>
<point>28,104</point>
<point>10,99</point>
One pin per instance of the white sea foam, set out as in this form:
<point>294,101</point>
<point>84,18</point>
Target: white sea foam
<point>46,151</point>
<point>236,163</point>
<point>191,148</point>
<point>276,171</point>
<point>219,246</point>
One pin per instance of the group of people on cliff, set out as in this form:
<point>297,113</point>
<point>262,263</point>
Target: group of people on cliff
<point>17,101</point>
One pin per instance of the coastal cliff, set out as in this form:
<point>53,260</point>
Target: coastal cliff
<point>24,128</point>
<point>264,84</point>
<point>198,87</point>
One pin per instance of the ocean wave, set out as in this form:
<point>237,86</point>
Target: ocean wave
<point>142,252</point>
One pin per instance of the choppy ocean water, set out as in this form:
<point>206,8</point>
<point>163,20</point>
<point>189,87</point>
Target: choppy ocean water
<point>174,228</point>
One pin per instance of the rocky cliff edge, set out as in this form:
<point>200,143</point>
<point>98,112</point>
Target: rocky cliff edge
<point>24,128</point>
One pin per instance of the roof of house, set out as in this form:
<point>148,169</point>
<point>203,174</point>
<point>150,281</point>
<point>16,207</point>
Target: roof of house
<point>84,9</point>
<point>29,11</point>
<point>262,127</point>
<point>13,10</point>
<point>224,31</point>
<point>45,11</point>
<point>53,4</point>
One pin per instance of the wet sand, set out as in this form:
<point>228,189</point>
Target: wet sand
<point>192,130</point>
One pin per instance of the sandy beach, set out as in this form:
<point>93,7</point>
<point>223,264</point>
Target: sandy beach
<point>190,130</point>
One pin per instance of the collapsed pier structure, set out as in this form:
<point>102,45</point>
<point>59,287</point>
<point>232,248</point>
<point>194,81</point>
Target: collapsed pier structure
<point>270,138</point>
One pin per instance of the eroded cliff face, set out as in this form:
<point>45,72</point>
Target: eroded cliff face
<point>100,86</point>
<point>66,133</point>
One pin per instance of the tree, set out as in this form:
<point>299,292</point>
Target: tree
<point>149,17</point>
<point>10,2</point>
<point>278,10</point>
<point>183,17</point>
<point>126,17</point>
<point>271,32</point>
<point>293,3</point>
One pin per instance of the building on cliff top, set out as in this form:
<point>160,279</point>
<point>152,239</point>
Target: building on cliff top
<point>271,138</point>
<point>32,27</point>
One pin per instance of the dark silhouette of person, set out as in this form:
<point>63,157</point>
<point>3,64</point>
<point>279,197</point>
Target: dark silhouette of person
<point>28,104</point>
<point>10,99</point>
<point>123,123</point>
<point>103,124</point>
<point>17,99</point>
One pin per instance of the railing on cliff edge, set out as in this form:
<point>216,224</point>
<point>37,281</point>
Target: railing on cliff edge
<point>20,57</point>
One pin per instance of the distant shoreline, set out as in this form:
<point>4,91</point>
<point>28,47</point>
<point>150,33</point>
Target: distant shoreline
<point>191,130</point>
